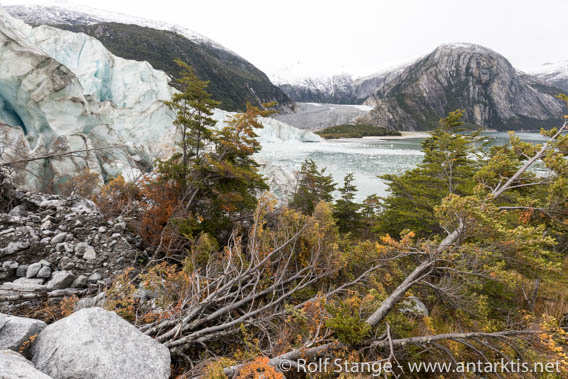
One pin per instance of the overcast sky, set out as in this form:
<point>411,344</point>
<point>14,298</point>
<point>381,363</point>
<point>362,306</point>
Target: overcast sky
<point>313,37</point>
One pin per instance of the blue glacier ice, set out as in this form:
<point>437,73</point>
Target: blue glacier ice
<point>62,91</point>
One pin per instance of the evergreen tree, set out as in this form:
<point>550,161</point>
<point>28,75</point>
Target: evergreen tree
<point>346,210</point>
<point>194,107</point>
<point>233,182</point>
<point>214,176</point>
<point>312,187</point>
<point>448,168</point>
<point>371,207</point>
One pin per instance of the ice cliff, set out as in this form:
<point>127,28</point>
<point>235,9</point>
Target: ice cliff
<point>62,91</point>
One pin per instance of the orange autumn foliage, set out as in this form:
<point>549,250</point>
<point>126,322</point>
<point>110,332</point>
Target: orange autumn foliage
<point>159,205</point>
<point>118,197</point>
<point>259,368</point>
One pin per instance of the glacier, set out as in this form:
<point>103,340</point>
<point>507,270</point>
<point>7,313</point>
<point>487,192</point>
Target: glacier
<point>62,91</point>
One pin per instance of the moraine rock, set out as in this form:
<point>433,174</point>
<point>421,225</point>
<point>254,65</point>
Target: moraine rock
<point>80,282</point>
<point>84,252</point>
<point>15,366</point>
<point>90,254</point>
<point>14,331</point>
<point>33,270</point>
<point>119,227</point>
<point>14,247</point>
<point>21,271</point>
<point>24,284</point>
<point>60,237</point>
<point>60,280</point>
<point>94,343</point>
<point>8,270</point>
<point>93,301</point>
<point>18,211</point>
<point>46,225</point>
<point>95,277</point>
<point>414,306</point>
<point>44,272</point>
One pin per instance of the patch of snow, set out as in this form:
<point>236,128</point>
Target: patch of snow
<point>556,70</point>
<point>391,68</point>
<point>61,11</point>
<point>366,108</point>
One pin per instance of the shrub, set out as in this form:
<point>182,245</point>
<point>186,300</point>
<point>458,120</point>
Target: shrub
<point>346,322</point>
<point>84,184</point>
<point>118,198</point>
<point>159,204</point>
<point>120,296</point>
<point>259,368</point>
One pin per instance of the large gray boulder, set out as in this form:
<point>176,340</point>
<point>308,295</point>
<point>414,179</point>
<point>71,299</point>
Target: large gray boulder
<point>94,343</point>
<point>14,331</point>
<point>15,366</point>
<point>60,280</point>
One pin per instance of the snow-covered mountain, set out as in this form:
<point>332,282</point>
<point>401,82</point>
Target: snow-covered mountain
<point>553,73</point>
<point>338,89</point>
<point>464,76</point>
<point>62,91</point>
<point>69,13</point>
<point>232,80</point>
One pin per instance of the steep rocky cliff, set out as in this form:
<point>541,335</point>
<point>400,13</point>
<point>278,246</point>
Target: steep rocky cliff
<point>469,77</point>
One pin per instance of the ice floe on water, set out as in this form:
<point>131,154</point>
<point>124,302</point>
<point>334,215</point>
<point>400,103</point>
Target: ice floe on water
<point>365,159</point>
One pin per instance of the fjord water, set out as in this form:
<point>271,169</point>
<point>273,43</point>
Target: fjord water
<point>366,158</point>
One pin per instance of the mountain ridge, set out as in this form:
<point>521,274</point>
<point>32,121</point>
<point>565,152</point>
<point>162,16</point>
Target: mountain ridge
<point>338,89</point>
<point>493,93</point>
<point>464,76</point>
